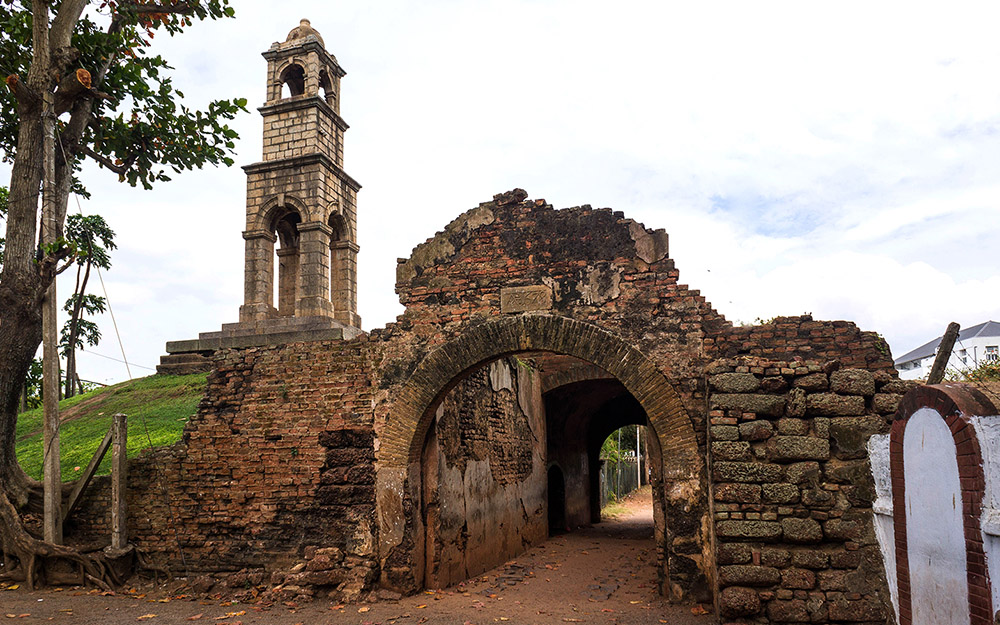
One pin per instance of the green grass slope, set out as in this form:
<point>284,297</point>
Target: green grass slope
<point>157,409</point>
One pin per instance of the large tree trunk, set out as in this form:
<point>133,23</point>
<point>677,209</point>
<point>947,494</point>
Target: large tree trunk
<point>21,287</point>
<point>23,281</point>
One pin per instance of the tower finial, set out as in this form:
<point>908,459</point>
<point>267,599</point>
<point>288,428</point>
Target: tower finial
<point>303,30</point>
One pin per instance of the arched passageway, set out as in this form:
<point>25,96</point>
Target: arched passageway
<point>413,435</point>
<point>485,493</point>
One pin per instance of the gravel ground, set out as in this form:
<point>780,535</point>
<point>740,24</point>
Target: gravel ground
<point>604,574</point>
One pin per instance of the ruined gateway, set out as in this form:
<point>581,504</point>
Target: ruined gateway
<point>419,454</point>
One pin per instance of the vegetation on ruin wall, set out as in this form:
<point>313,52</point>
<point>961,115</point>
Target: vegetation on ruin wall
<point>159,405</point>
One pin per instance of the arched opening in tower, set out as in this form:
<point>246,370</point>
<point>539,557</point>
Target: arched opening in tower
<point>326,88</point>
<point>293,81</point>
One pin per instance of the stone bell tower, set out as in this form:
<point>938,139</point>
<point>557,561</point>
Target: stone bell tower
<point>301,234</point>
<point>301,205</point>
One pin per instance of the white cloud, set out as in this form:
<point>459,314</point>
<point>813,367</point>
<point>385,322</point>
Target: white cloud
<point>803,157</point>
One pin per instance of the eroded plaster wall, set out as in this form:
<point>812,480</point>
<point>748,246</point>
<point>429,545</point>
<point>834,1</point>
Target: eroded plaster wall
<point>878,456</point>
<point>988,432</point>
<point>484,478</point>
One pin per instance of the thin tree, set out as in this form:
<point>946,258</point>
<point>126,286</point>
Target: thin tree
<point>115,104</point>
<point>93,241</point>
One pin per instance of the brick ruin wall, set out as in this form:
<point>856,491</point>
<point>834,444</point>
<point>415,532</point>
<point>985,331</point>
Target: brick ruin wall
<point>280,459</point>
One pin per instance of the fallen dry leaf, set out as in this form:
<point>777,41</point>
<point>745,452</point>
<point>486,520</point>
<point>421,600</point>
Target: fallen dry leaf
<point>698,610</point>
<point>422,606</point>
<point>14,587</point>
<point>363,609</point>
<point>146,616</point>
<point>196,616</point>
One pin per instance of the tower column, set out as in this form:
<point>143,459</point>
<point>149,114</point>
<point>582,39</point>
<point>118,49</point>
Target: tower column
<point>259,276</point>
<point>344,283</point>
<point>313,298</point>
<point>288,279</point>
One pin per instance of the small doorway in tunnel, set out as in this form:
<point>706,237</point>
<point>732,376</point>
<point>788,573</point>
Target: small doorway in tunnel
<point>557,502</point>
<point>624,466</point>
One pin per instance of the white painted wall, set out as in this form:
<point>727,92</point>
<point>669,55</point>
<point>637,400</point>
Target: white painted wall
<point>878,455</point>
<point>988,432</point>
<point>939,589</point>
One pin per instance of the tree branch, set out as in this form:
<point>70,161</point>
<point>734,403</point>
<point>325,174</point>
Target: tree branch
<point>64,23</point>
<point>182,8</point>
<point>121,170</point>
<point>25,95</point>
<point>73,86</point>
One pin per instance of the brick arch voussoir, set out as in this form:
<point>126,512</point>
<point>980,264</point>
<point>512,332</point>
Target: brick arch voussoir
<point>439,370</point>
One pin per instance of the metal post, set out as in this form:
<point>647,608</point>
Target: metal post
<point>618,467</point>
<point>119,535</point>
<point>638,471</point>
<point>52,507</point>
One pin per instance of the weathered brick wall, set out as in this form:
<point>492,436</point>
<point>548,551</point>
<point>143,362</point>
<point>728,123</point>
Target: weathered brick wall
<point>792,489</point>
<point>484,474</point>
<point>279,457</point>
<point>804,338</point>
<point>602,268</point>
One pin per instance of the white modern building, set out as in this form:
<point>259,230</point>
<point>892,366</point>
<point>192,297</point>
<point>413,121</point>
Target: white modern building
<point>975,345</point>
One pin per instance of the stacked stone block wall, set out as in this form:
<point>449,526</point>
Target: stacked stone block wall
<point>792,489</point>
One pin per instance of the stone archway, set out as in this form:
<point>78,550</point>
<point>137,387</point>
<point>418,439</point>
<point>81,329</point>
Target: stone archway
<point>682,494</point>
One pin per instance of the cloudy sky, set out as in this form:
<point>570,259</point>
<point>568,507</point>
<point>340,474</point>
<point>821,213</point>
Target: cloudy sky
<point>841,160</point>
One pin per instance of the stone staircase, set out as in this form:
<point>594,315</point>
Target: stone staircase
<point>195,355</point>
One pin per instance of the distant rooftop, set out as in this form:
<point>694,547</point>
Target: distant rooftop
<point>985,329</point>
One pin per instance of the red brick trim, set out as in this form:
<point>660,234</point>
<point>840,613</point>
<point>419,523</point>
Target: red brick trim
<point>955,403</point>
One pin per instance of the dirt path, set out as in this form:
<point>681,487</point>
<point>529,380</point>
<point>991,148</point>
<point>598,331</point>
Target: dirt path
<point>603,574</point>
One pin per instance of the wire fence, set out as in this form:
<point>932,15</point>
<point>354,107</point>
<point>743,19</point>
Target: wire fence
<point>619,478</point>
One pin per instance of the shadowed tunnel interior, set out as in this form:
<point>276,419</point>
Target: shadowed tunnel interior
<point>513,456</point>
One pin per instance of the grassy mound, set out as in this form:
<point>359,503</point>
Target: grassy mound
<point>157,409</point>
